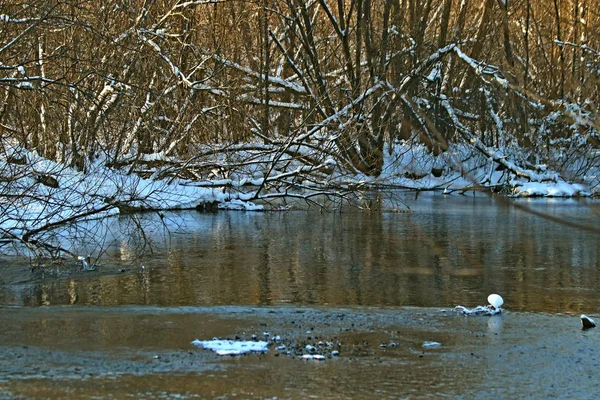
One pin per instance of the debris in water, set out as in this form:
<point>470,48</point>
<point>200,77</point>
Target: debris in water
<point>587,322</point>
<point>85,263</point>
<point>479,310</point>
<point>493,308</point>
<point>232,347</point>
<point>495,300</point>
<point>46,180</point>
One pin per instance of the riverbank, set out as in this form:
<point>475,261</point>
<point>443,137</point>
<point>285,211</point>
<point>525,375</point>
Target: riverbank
<point>43,200</point>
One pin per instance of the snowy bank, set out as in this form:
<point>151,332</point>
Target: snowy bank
<point>38,195</point>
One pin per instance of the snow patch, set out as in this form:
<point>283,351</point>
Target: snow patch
<point>434,75</point>
<point>550,189</point>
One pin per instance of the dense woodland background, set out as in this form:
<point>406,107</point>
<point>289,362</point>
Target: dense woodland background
<point>208,88</point>
<point>264,100</point>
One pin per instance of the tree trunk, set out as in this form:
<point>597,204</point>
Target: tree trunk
<point>444,23</point>
<point>561,52</point>
<point>506,30</point>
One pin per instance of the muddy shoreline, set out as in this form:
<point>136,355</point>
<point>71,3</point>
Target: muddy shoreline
<point>145,352</point>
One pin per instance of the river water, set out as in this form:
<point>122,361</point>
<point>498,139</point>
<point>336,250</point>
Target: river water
<point>378,285</point>
<point>448,250</point>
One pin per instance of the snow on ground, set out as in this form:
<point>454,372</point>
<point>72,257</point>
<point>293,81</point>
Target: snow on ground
<point>550,189</point>
<point>240,205</point>
<point>412,167</point>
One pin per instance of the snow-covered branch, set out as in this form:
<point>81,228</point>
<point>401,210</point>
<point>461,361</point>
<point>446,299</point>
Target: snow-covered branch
<point>289,85</point>
<point>583,47</point>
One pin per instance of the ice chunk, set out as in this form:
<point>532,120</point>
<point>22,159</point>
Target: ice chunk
<point>232,347</point>
<point>310,349</point>
<point>316,357</point>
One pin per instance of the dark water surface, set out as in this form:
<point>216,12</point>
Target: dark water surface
<point>144,352</point>
<point>449,250</point>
